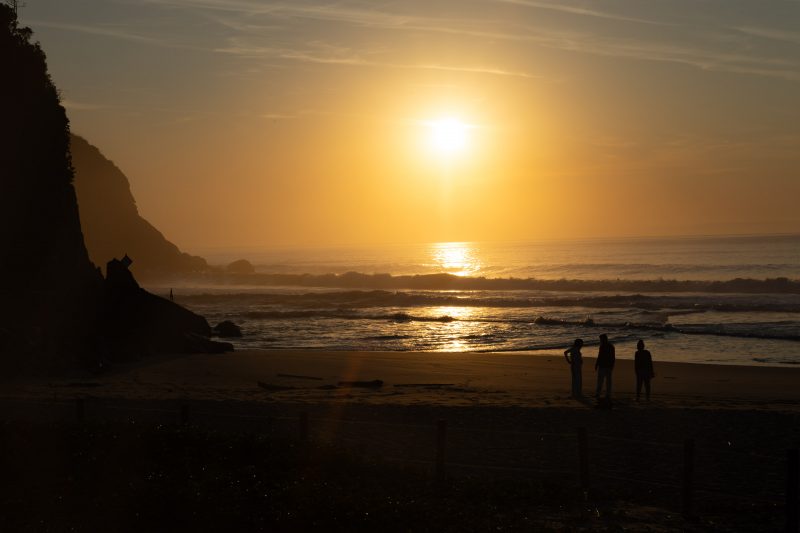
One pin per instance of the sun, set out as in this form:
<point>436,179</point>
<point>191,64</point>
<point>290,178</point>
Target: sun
<point>448,135</point>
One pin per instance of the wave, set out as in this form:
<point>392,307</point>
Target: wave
<point>773,330</point>
<point>774,360</point>
<point>664,267</point>
<point>444,281</point>
<point>342,314</point>
<point>768,330</point>
<point>388,337</point>
<point>659,306</point>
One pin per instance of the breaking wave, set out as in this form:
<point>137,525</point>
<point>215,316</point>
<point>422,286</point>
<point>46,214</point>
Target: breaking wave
<point>445,281</point>
<point>658,305</point>
<point>763,330</point>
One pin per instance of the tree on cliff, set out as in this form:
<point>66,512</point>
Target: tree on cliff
<point>49,287</point>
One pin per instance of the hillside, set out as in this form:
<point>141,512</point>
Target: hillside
<point>112,225</point>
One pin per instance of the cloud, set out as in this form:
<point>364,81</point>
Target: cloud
<point>114,32</point>
<point>702,58</point>
<point>72,105</point>
<point>581,11</point>
<point>692,45</point>
<point>771,33</point>
<point>476,70</point>
<point>324,53</point>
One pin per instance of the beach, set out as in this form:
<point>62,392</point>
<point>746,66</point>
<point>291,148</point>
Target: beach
<point>276,266</point>
<point>507,418</point>
<point>412,378</point>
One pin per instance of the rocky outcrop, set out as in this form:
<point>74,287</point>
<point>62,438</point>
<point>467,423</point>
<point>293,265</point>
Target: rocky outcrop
<point>227,329</point>
<point>137,322</point>
<point>242,266</point>
<point>112,225</point>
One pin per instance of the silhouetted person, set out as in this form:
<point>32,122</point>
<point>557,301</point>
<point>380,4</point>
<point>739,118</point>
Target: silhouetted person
<point>171,296</point>
<point>575,360</point>
<point>604,366</point>
<point>643,364</point>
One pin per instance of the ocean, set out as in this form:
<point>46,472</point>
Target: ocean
<point>722,300</point>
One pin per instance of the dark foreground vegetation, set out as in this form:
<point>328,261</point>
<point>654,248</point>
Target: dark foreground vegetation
<point>129,476</point>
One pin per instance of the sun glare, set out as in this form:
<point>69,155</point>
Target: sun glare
<point>458,258</point>
<point>448,135</point>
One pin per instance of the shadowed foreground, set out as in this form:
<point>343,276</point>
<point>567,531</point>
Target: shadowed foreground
<point>295,445</point>
<point>132,466</point>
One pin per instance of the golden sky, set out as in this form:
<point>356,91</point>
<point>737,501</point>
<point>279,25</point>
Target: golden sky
<point>246,123</point>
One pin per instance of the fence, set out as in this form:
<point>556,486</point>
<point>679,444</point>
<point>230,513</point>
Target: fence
<point>691,472</point>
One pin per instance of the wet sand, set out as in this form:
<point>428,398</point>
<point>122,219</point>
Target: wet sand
<point>445,379</point>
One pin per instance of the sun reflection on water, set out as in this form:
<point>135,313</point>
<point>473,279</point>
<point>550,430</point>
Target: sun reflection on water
<point>458,313</point>
<point>457,258</point>
<point>452,333</point>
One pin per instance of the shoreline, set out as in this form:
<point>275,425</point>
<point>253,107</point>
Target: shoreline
<point>547,352</point>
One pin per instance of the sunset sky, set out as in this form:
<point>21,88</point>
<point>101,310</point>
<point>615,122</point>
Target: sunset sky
<point>246,123</point>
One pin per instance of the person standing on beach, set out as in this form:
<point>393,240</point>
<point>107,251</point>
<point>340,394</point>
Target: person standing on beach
<point>643,364</point>
<point>575,360</point>
<point>604,366</point>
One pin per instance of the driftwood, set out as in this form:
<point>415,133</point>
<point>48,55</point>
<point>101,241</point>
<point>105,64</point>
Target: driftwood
<point>374,384</point>
<point>425,385</point>
<point>295,376</point>
<point>273,388</point>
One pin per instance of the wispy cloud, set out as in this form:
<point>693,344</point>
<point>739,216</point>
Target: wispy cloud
<point>277,116</point>
<point>709,59</point>
<point>327,54</point>
<point>475,70</point>
<point>695,56</point>
<point>115,32</point>
<point>105,31</point>
<point>72,105</point>
<point>246,23</point>
<point>773,34</point>
<point>337,13</point>
<point>329,12</point>
<point>580,11</point>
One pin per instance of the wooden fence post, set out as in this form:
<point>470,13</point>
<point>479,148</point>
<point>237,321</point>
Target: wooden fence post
<point>304,427</point>
<point>583,458</point>
<point>792,474</point>
<point>688,478</point>
<point>441,439</point>
<point>80,410</point>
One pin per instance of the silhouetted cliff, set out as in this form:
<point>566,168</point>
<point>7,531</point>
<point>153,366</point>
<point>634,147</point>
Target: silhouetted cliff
<point>49,286</point>
<point>112,226</point>
<point>56,310</point>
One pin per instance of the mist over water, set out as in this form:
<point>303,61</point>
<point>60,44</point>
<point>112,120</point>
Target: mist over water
<point>680,258</point>
<point>698,326</point>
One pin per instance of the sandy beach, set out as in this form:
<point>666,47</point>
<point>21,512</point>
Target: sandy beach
<point>508,416</point>
<point>444,379</point>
